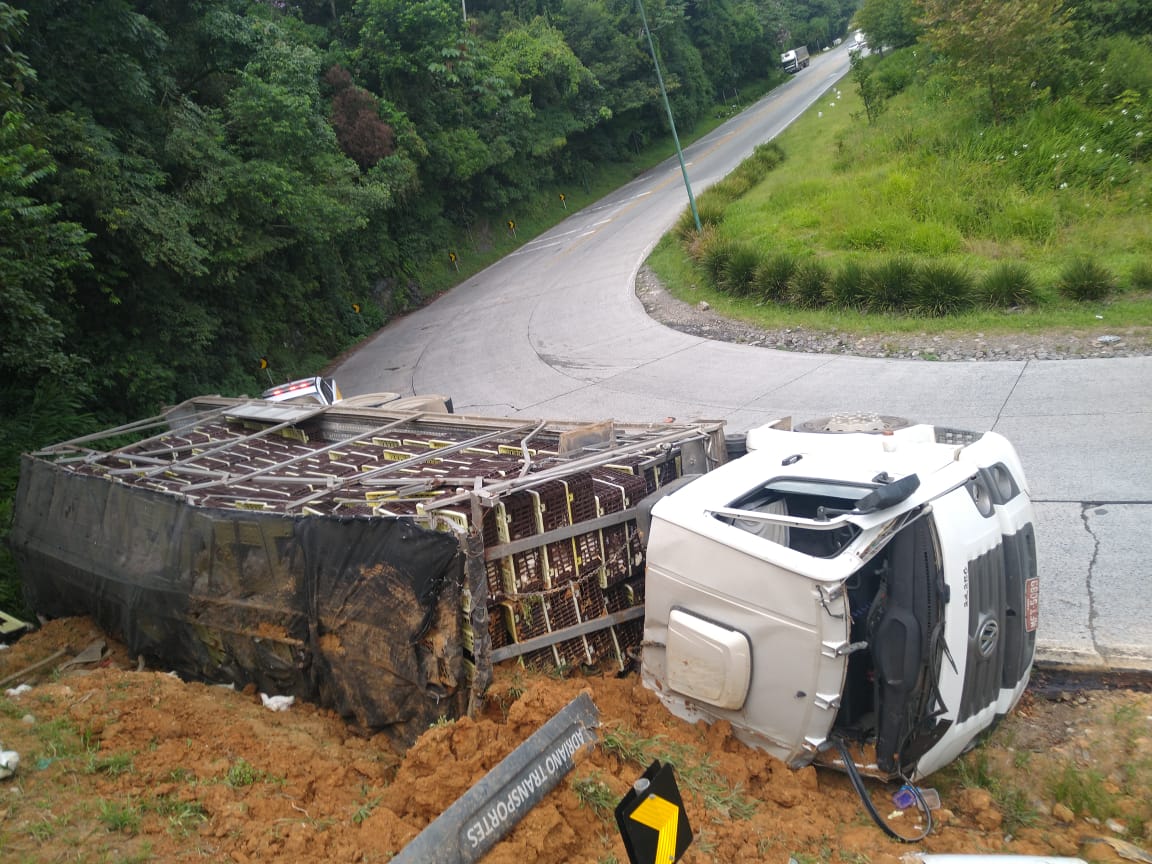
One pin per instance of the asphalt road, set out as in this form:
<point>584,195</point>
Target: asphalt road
<point>555,330</point>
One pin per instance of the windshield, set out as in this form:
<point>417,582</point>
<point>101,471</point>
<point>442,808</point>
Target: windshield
<point>799,497</point>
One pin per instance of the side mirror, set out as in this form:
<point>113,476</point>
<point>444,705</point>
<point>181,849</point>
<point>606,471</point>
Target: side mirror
<point>889,495</point>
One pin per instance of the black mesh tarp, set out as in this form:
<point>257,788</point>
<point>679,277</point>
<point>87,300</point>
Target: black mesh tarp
<point>361,614</point>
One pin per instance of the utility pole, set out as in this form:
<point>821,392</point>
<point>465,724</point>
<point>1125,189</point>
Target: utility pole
<point>668,108</point>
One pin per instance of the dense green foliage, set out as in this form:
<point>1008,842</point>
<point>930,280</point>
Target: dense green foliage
<point>190,187</point>
<point>1000,161</point>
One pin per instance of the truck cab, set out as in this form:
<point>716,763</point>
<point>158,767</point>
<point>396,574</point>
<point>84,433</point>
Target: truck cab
<point>314,391</point>
<point>795,59</point>
<point>875,589</point>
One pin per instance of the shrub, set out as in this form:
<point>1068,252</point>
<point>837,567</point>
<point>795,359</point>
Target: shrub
<point>891,286</point>
<point>1128,67</point>
<point>714,255</point>
<point>810,285</point>
<point>763,160</point>
<point>943,289</point>
<point>711,211</point>
<point>767,156</point>
<point>895,72</point>
<point>735,185</point>
<point>1009,284</point>
<point>847,287</point>
<point>1084,281</point>
<point>738,268</point>
<point>685,228</point>
<point>1141,276</point>
<point>698,243</point>
<point>772,278</point>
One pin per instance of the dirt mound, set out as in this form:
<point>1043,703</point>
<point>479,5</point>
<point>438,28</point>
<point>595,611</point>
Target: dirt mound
<point>120,763</point>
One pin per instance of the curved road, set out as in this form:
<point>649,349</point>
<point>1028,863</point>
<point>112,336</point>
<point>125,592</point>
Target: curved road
<point>555,330</point>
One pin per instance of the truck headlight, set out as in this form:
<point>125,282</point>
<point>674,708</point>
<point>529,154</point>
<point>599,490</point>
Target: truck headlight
<point>981,495</point>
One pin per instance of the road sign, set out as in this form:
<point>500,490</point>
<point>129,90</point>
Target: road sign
<point>652,818</point>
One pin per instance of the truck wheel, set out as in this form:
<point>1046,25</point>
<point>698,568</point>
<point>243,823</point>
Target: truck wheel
<point>857,421</point>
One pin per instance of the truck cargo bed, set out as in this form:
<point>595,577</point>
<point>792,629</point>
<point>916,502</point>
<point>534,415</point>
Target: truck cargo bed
<point>374,561</point>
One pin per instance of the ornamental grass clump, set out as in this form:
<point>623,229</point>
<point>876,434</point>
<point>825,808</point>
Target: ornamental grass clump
<point>738,268</point>
<point>891,286</point>
<point>846,290</point>
<point>1008,285</point>
<point>943,289</point>
<point>1084,281</point>
<point>810,285</point>
<point>773,277</point>
<point>1140,278</point>
<point>714,251</point>
<point>710,209</point>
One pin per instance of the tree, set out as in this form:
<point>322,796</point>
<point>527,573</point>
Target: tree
<point>361,131</point>
<point>888,23</point>
<point>409,45</point>
<point>871,93</point>
<point>1004,46</point>
<point>38,249</point>
<point>1113,17</point>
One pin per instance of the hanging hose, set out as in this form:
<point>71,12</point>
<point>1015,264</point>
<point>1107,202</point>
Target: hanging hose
<point>858,785</point>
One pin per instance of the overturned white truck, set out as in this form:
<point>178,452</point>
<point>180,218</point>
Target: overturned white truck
<point>873,590</point>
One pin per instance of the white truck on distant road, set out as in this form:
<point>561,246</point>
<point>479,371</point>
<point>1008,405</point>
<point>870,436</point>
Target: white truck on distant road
<point>795,59</point>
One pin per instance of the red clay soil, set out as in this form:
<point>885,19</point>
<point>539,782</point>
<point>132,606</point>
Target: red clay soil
<point>126,764</point>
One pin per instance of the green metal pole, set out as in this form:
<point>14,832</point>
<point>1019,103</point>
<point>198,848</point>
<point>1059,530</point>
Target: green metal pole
<point>668,108</point>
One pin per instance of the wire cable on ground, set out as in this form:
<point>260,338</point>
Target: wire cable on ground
<point>862,791</point>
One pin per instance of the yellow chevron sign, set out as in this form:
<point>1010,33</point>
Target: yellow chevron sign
<point>652,819</point>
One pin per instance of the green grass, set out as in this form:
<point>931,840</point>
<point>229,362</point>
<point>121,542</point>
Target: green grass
<point>366,807</point>
<point>113,764</point>
<point>241,773</point>
<point>934,223</point>
<point>694,770</point>
<point>122,817</point>
<point>975,771</point>
<point>183,817</point>
<point>593,792</point>
<point>1083,791</point>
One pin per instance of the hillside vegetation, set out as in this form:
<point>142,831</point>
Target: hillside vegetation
<point>897,202</point>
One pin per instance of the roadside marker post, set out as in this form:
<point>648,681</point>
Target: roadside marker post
<point>471,826</point>
<point>652,819</point>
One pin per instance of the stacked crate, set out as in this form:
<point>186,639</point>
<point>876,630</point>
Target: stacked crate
<point>577,579</point>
